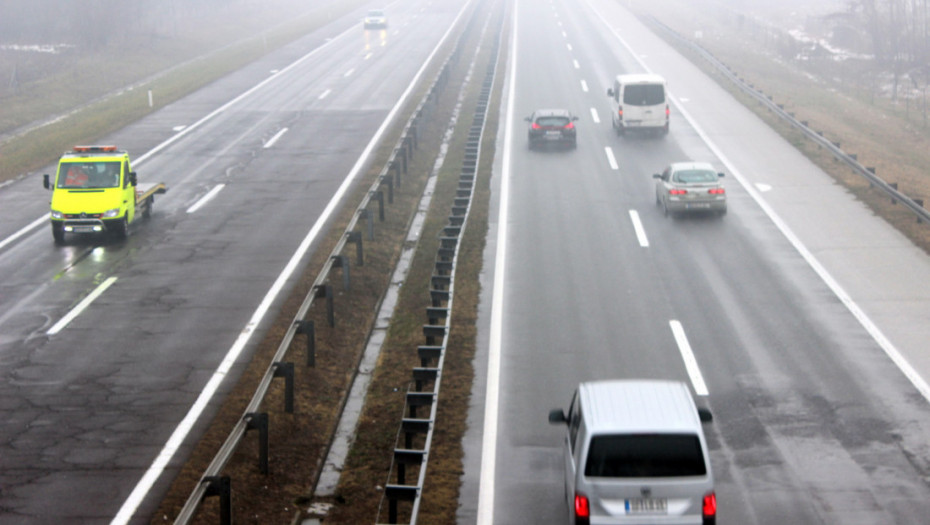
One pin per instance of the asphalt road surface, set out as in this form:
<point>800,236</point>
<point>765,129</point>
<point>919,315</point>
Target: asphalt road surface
<point>804,315</point>
<point>89,403</point>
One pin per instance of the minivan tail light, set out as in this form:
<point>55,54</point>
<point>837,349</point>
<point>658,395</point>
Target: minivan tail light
<point>709,508</point>
<point>620,112</point>
<point>666,112</point>
<point>583,511</point>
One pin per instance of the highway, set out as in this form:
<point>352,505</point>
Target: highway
<point>102,402</point>
<point>799,318</point>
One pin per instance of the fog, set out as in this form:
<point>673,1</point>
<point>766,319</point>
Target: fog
<point>59,54</point>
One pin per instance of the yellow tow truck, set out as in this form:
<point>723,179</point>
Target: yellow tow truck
<point>96,191</point>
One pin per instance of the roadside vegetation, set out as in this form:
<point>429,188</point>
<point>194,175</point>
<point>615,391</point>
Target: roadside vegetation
<point>71,73</point>
<point>875,118</point>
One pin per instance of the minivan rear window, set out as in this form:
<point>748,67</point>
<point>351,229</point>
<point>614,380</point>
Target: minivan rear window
<point>644,94</point>
<point>645,456</point>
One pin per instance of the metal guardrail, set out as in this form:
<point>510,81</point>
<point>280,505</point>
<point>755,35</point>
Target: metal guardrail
<point>212,482</point>
<point>413,428</point>
<point>914,205</point>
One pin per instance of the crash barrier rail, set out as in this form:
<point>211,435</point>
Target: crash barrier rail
<point>415,434</point>
<point>915,205</point>
<point>212,482</point>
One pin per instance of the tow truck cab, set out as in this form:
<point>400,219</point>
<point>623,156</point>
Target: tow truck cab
<point>95,191</point>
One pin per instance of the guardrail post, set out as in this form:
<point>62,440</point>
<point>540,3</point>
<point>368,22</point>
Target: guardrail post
<point>356,237</point>
<point>428,353</point>
<point>308,328</point>
<point>222,487</point>
<point>379,196</point>
<point>326,290</point>
<point>369,226</point>
<point>390,184</point>
<point>413,427</point>
<point>418,399</point>
<point>432,332</point>
<point>396,168</point>
<point>341,261</point>
<point>259,421</point>
<point>395,493</point>
<point>286,370</point>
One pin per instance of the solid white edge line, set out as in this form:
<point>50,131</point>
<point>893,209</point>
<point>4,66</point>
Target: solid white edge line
<point>81,306</point>
<point>886,345</point>
<point>638,228</point>
<point>594,116</point>
<point>155,470</point>
<point>206,198</point>
<point>611,159</point>
<point>694,372</point>
<point>486,486</point>
<point>275,138</point>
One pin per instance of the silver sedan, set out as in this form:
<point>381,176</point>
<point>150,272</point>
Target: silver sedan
<point>690,186</point>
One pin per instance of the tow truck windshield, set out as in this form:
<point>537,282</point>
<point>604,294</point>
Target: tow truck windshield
<point>87,175</point>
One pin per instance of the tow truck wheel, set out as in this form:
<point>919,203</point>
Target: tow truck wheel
<point>122,229</point>
<point>58,233</point>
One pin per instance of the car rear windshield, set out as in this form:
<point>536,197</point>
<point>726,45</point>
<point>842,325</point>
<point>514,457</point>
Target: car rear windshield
<point>696,176</point>
<point>552,121</point>
<point>645,456</point>
<point>644,94</point>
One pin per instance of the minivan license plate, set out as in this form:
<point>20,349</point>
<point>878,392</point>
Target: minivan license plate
<point>647,506</point>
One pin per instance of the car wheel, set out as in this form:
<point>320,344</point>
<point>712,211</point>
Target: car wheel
<point>665,208</point>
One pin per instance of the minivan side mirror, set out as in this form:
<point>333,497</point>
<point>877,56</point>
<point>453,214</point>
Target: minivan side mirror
<point>721,175</point>
<point>556,416</point>
<point>574,118</point>
<point>704,414</point>
<point>46,181</point>
<point>610,92</point>
<point>656,176</point>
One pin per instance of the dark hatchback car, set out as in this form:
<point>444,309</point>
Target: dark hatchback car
<point>551,126</point>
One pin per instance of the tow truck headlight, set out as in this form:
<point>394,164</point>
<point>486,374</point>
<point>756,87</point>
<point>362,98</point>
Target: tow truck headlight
<point>57,214</point>
<point>111,213</point>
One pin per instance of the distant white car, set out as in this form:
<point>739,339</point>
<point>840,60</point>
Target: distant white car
<point>375,19</point>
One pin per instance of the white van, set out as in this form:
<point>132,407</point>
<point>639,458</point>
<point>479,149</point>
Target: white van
<point>635,453</point>
<point>641,103</point>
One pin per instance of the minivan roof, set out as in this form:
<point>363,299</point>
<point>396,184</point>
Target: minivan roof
<point>641,406</point>
<point>640,78</point>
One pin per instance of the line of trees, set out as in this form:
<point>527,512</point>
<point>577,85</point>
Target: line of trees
<point>899,33</point>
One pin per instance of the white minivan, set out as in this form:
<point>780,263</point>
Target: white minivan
<point>641,103</point>
<point>635,452</point>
